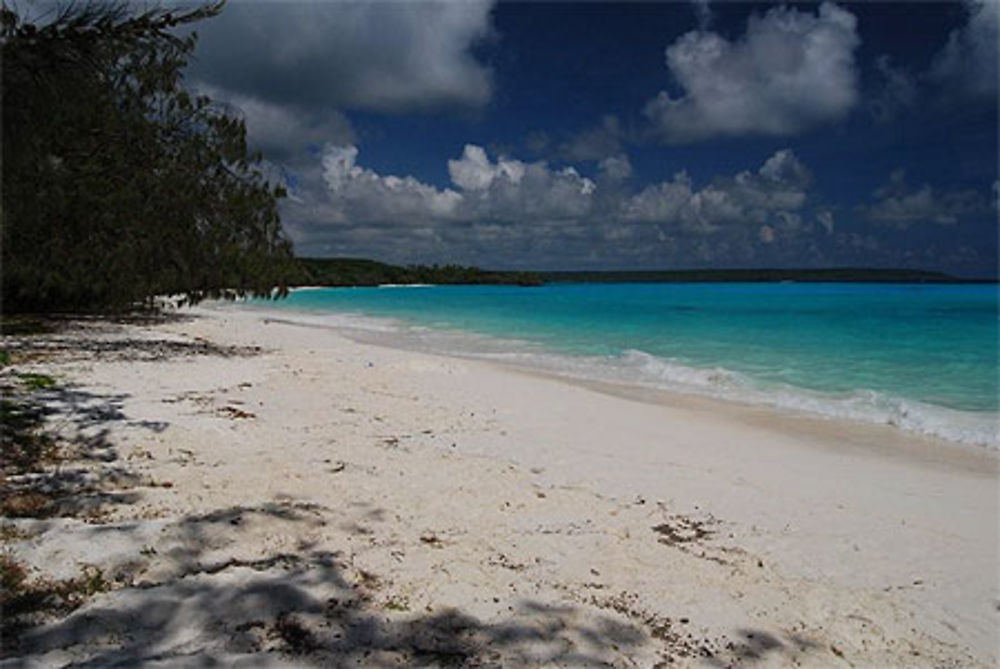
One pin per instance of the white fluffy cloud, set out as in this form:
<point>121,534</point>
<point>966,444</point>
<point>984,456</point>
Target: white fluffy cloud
<point>968,62</point>
<point>381,56</point>
<point>486,191</point>
<point>501,211</point>
<point>790,71</point>
<point>475,172</point>
<point>510,191</point>
<point>773,192</point>
<point>898,206</point>
<point>362,195</point>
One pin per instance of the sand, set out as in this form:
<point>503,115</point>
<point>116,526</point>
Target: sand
<point>279,494</point>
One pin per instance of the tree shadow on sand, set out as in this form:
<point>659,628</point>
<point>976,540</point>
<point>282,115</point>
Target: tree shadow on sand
<point>314,608</point>
<point>304,608</point>
<point>181,596</point>
<point>55,454</point>
<point>89,338</point>
<point>74,347</point>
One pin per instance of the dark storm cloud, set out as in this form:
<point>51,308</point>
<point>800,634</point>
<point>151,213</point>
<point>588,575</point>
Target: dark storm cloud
<point>380,56</point>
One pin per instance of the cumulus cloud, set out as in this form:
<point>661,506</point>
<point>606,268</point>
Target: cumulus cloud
<point>964,70</point>
<point>475,172</point>
<point>512,190</point>
<point>362,195</point>
<point>776,190</point>
<point>281,131</point>
<point>616,168</point>
<point>968,61</point>
<point>791,70</point>
<point>485,190</point>
<point>898,206</point>
<point>499,208</point>
<point>380,56</point>
<point>507,190</point>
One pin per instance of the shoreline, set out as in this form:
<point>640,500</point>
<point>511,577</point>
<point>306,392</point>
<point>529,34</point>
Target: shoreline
<point>369,329</point>
<point>816,430</point>
<point>444,484</point>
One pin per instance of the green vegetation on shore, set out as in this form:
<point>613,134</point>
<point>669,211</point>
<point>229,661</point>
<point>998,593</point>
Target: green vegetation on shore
<point>362,272</point>
<point>118,184</point>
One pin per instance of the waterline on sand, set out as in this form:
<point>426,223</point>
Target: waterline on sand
<point>638,368</point>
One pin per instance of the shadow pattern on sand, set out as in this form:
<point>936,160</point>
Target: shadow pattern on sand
<point>122,350</point>
<point>57,457</point>
<point>80,337</point>
<point>314,608</point>
<point>311,607</point>
<point>303,608</point>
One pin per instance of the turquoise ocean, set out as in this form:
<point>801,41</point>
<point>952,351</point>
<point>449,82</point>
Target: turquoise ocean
<point>923,358</point>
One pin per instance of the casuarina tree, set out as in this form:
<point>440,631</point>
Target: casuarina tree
<point>119,184</point>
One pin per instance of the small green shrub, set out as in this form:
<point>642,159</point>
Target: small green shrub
<point>32,382</point>
<point>26,602</point>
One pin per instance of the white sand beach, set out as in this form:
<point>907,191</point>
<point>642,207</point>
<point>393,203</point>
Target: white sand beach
<point>272,493</point>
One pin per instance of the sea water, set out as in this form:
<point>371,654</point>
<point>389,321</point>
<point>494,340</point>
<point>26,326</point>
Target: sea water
<point>920,357</point>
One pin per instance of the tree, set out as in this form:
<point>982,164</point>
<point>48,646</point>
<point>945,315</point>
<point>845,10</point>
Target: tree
<point>118,184</point>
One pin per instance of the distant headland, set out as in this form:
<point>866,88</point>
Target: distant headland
<point>364,272</point>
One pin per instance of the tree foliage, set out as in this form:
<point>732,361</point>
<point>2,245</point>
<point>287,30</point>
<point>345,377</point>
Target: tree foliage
<point>363,272</point>
<point>118,184</point>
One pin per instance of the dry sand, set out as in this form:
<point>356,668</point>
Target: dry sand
<point>322,501</point>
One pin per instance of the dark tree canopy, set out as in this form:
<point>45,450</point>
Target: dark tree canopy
<point>117,183</point>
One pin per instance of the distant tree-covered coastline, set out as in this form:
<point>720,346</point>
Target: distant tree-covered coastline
<point>363,272</point>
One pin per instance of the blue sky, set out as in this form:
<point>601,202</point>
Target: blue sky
<point>612,135</point>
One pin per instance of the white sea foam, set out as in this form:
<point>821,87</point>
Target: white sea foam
<point>864,406</point>
<point>860,405</point>
<point>405,285</point>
